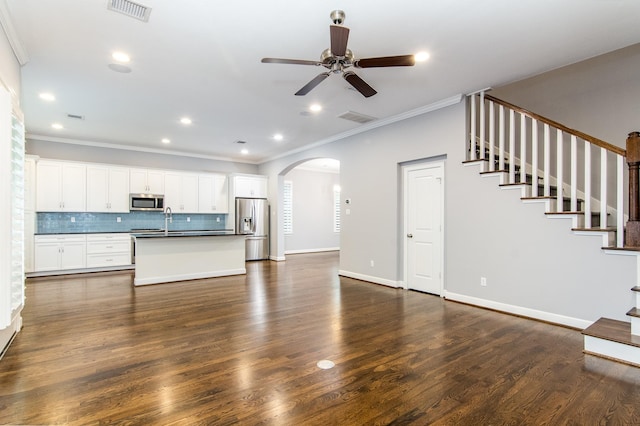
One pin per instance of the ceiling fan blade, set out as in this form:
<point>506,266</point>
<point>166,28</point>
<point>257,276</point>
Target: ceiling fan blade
<point>313,83</point>
<point>359,84</point>
<point>289,61</point>
<point>339,38</point>
<point>386,61</point>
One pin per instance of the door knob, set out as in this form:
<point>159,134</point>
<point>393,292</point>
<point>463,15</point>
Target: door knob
<point>409,235</point>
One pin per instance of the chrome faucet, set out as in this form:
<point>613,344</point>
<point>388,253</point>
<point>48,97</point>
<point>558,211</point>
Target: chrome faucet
<point>168,218</point>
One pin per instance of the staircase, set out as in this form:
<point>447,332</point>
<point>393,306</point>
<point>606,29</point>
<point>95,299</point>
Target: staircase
<point>576,176</point>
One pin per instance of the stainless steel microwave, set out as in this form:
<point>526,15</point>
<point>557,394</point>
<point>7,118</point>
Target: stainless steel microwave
<point>146,202</point>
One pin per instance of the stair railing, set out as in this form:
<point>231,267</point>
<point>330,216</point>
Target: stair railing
<point>523,150</point>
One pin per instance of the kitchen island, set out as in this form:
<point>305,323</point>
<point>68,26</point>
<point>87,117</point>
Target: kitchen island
<point>187,255</point>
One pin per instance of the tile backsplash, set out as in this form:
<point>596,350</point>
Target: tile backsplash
<point>61,223</point>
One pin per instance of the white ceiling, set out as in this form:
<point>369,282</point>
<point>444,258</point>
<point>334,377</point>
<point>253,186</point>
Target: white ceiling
<point>201,58</point>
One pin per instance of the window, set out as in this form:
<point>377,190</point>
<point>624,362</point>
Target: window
<point>336,208</point>
<point>288,207</point>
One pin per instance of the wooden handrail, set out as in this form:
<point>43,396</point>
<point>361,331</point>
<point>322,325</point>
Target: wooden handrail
<point>555,124</point>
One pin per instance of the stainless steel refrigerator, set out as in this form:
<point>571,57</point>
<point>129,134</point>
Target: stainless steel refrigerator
<point>252,220</point>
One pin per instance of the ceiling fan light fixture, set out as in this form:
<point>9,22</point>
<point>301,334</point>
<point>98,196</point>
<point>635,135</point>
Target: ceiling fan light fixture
<point>421,56</point>
<point>315,108</point>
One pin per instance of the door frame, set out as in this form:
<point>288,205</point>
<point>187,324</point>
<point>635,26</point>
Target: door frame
<point>406,168</point>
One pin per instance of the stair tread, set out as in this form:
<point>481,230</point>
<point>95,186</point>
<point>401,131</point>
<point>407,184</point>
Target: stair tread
<point>612,330</point>
<point>636,249</point>
<point>550,197</point>
<point>514,184</point>
<point>479,160</point>
<point>494,171</point>
<point>611,229</point>
<point>634,312</point>
<point>578,213</point>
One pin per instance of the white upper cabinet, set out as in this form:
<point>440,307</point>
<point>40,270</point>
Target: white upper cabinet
<point>107,189</point>
<point>146,181</point>
<point>181,192</point>
<point>60,186</point>
<point>213,193</point>
<point>250,186</point>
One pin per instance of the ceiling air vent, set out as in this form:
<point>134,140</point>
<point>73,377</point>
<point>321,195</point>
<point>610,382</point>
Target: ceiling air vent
<point>357,117</point>
<point>75,116</point>
<point>129,8</point>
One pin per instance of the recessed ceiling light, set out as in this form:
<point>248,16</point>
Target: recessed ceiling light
<point>315,108</point>
<point>185,120</point>
<point>421,56</point>
<point>244,151</point>
<point>278,136</point>
<point>121,57</point>
<point>166,140</point>
<point>57,126</point>
<point>47,97</point>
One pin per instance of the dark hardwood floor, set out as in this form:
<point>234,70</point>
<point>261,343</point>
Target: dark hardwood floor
<point>243,350</point>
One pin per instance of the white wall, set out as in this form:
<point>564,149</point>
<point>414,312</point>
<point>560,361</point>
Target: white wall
<point>312,211</point>
<point>533,265</point>
<point>598,96</point>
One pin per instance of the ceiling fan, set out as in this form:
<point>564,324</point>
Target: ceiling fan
<point>337,59</point>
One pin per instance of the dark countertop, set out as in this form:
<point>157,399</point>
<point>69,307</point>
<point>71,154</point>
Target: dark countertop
<point>148,232</point>
<point>161,234</point>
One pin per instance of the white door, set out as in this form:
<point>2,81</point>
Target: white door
<point>423,226</point>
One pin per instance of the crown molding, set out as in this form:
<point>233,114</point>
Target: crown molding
<point>7,24</point>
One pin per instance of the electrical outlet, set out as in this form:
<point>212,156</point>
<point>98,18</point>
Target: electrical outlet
<point>188,219</point>
<point>118,219</point>
<point>483,281</point>
<point>217,219</point>
<point>373,264</point>
<point>73,219</point>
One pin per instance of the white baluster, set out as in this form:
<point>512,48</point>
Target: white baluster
<point>523,148</point>
<point>482,126</point>
<point>603,188</point>
<point>512,146</point>
<point>492,137</point>
<point>620,201</point>
<point>534,157</point>
<point>501,139</point>
<point>574,173</point>
<point>587,185</point>
<point>547,160</point>
<point>472,147</point>
<point>559,171</point>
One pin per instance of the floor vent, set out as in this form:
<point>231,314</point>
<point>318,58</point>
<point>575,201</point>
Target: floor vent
<point>357,117</point>
<point>129,8</point>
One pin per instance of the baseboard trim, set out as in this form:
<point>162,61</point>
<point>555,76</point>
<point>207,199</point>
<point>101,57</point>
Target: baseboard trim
<point>519,310</point>
<point>277,258</point>
<point>316,250</point>
<point>188,277</point>
<point>375,280</point>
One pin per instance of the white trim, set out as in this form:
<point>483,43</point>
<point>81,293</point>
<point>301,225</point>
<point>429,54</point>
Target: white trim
<point>315,250</point>
<point>609,349</point>
<point>375,280</point>
<point>427,164</point>
<point>109,145</point>
<point>277,258</point>
<point>519,310</point>
<point>12,35</point>
<point>185,277</point>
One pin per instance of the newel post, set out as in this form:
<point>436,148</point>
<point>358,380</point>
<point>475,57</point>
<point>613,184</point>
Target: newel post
<point>632,232</point>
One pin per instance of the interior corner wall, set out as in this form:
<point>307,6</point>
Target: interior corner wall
<point>312,211</point>
<point>598,96</point>
<point>9,68</point>
<point>95,154</point>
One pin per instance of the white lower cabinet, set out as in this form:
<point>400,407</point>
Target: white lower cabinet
<point>105,250</point>
<point>80,251</point>
<point>59,252</point>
